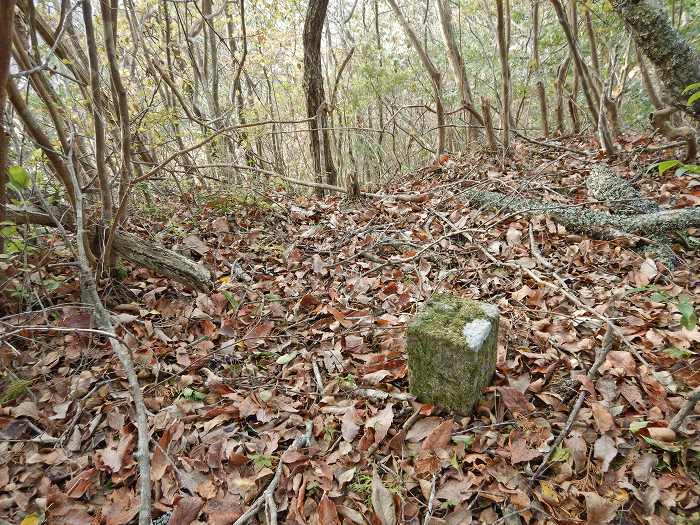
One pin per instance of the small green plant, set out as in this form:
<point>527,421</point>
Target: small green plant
<point>261,460</point>
<point>688,316</point>
<point>347,382</point>
<point>678,353</point>
<point>694,91</point>
<point>361,485</point>
<point>15,387</point>
<point>681,168</point>
<point>191,394</point>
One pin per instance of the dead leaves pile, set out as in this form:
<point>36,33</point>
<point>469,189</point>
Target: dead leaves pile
<point>307,324</point>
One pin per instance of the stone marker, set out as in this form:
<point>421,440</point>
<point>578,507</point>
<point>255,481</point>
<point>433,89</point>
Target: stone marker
<point>451,346</point>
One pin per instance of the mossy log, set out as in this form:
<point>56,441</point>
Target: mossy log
<point>133,249</point>
<point>596,223</point>
<point>676,63</point>
<point>451,346</point>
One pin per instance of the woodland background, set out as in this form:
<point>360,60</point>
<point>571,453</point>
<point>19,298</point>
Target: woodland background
<point>218,216</point>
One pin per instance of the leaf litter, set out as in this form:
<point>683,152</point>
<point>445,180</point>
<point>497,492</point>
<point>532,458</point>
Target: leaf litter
<point>306,326</point>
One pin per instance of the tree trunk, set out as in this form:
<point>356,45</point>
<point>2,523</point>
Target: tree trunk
<point>503,49</point>
<point>457,65</point>
<point>7,14</point>
<point>433,73</point>
<point>541,94</point>
<point>588,87</point>
<point>676,63</point>
<point>98,117</point>
<point>573,99</point>
<point>559,89</point>
<point>133,249</point>
<point>315,95</point>
<point>646,80</point>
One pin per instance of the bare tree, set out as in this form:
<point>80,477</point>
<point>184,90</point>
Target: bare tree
<point>537,66</point>
<point>7,14</point>
<point>97,116</point>
<point>588,87</point>
<point>458,69</point>
<point>502,27</point>
<point>315,94</point>
<point>433,73</point>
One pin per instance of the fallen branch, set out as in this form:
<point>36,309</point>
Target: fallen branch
<point>596,223</point>
<point>131,248</point>
<point>686,409</point>
<point>268,496</point>
<point>608,340</point>
<point>104,323</point>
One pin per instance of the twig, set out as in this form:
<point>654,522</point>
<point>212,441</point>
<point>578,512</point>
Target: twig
<point>269,493</point>
<point>608,341</point>
<point>104,323</point>
<point>686,409</point>
<point>317,375</point>
<point>418,254</point>
<point>431,501</point>
<point>536,250</point>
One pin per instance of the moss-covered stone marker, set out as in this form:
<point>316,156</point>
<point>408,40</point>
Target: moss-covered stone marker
<point>451,345</point>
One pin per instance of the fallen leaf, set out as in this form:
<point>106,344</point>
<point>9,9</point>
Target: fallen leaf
<point>381,423</point>
<point>327,513</point>
<point>603,419</point>
<point>382,501</point>
<point>440,437</point>
<point>605,450</point>
<point>515,400</point>
<point>599,511</point>
<point>186,511</point>
<point>349,428</point>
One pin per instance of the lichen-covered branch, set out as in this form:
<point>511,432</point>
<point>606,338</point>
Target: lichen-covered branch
<point>596,223</point>
<point>676,63</point>
<point>133,249</point>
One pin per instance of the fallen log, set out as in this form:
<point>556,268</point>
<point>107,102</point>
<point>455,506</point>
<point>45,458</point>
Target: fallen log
<point>133,249</point>
<point>597,223</point>
<point>604,185</point>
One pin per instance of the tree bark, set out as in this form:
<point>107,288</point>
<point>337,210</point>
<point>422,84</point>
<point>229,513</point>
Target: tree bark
<point>676,63</point>
<point>458,70</point>
<point>433,73</point>
<point>646,80</point>
<point>7,14</point>
<point>97,116</point>
<point>559,89</point>
<point>541,94</point>
<point>503,50</point>
<point>315,94</point>
<point>131,248</point>
<point>588,87</point>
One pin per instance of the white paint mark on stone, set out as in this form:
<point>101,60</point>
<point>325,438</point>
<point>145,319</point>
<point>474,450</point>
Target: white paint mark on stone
<point>491,310</point>
<point>476,332</point>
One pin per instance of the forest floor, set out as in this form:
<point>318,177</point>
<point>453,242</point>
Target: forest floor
<point>306,325</point>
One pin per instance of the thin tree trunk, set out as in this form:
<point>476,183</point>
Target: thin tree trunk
<point>646,80</point>
<point>488,124</point>
<point>457,65</point>
<point>7,14</point>
<point>315,94</point>
<point>573,99</point>
<point>592,42</point>
<point>503,50</point>
<point>98,117</point>
<point>109,23</point>
<point>588,88</point>
<point>433,73</point>
<point>541,94</point>
<point>559,89</point>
